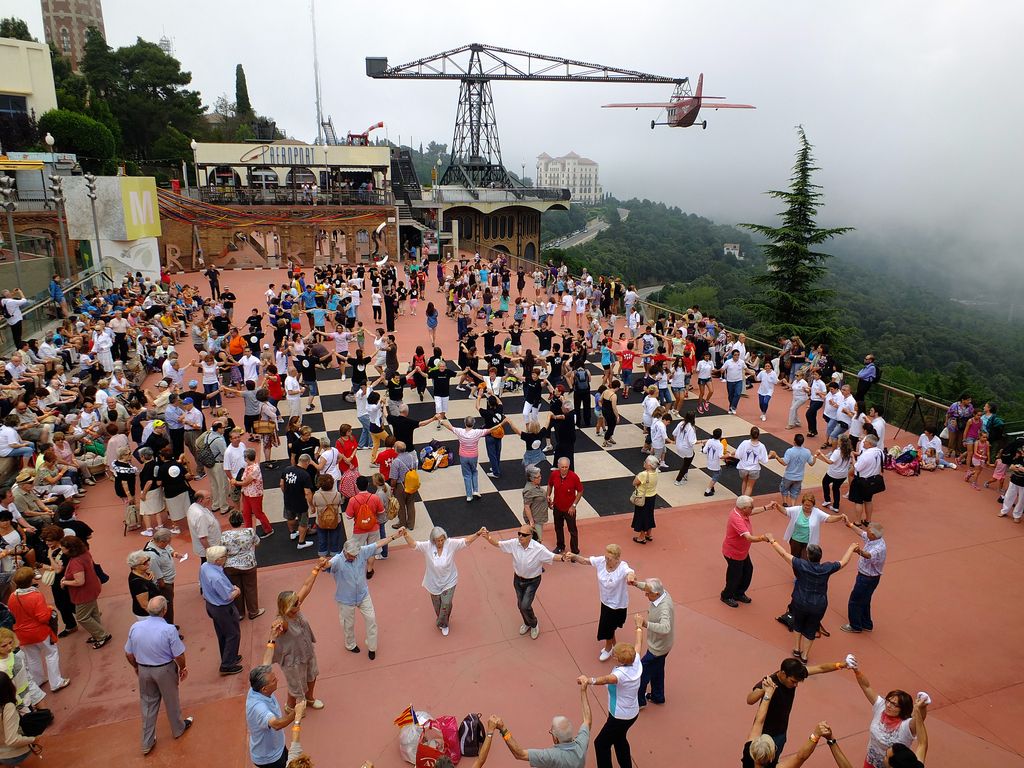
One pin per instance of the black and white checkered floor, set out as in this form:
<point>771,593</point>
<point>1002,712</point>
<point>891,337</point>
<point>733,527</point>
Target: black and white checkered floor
<point>606,473</point>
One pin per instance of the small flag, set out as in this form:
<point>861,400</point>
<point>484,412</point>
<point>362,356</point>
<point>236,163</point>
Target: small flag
<point>407,717</point>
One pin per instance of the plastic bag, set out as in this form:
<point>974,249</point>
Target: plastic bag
<point>449,728</point>
<point>431,746</point>
<point>408,741</point>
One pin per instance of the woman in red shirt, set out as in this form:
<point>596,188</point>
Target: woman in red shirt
<point>272,381</point>
<point>83,586</point>
<point>32,628</point>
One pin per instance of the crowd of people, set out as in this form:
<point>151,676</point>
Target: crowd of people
<point>77,409</point>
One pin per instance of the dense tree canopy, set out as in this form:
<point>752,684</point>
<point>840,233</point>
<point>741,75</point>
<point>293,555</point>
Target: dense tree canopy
<point>75,132</point>
<point>16,29</point>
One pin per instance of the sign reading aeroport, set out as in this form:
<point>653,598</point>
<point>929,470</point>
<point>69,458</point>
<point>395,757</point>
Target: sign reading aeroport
<point>283,155</point>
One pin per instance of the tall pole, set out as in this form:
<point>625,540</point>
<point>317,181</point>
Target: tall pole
<point>90,183</point>
<point>316,76</point>
<point>7,192</point>
<point>57,188</point>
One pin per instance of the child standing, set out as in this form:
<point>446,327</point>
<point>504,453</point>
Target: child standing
<point>713,450</point>
<point>971,433</point>
<point>704,388</point>
<point>979,457</point>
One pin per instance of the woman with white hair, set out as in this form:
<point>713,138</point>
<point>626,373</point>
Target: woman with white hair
<point>441,576</point>
<point>141,584</point>
<point>645,488</point>
<point>613,576</point>
<point>760,747</point>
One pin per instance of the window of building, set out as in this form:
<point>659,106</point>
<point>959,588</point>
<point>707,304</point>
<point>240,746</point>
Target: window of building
<point>13,105</point>
<point>65,40</point>
<point>487,228</point>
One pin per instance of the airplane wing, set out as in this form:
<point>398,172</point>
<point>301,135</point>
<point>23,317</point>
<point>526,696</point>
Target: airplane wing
<point>664,105</point>
<point>728,106</point>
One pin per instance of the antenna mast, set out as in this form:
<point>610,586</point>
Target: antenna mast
<point>316,77</point>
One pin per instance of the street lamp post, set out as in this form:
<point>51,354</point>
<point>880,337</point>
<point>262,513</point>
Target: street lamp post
<point>10,206</point>
<point>57,187</point>
<point>437,198</point>
<point>90,183</point>
<point>53,165</point>
<point>195,166</point>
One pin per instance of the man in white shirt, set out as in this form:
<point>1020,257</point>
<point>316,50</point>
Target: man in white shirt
<point>12,303</point>
<point>250,366</point>
<point>868,465</point>
<point>845,414</point>
<point>234,462</point>
<point>529,557</point>
<point>733,371</point>
<point>171,369</point>
<point>875,414</point>
<point>203,525</point>
<point>293,392</point>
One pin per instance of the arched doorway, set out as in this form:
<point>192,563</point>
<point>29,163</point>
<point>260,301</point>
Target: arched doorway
<point>530,252</point>
<point>224,176</point>
<point>298,176</point>
<point>362,244</point>
<point>263,177</point>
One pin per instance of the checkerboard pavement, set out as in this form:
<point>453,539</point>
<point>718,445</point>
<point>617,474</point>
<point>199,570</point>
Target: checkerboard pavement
<point>606,474</point>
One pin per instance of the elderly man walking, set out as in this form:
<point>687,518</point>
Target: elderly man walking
<point>352,591</point>
<point>564,492</point>
<point>161,562</point>
<point>220,596</point>
<point>263,716</point>
<point>403,486</point>
<point>739,570</point>
<point>158,656</point>
<point>660,623</point>
<point>529,557</point>
<point>203,525</point>
<point>872,553</point>
<point>567,751</point>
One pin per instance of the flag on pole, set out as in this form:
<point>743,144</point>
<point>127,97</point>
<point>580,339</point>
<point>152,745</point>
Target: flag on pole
<point>407,717</point>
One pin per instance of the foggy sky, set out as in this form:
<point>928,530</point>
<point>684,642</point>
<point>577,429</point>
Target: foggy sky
<point>911,106</point>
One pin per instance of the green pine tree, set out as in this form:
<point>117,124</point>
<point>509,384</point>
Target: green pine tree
<point>791,300</point>
<point>16,28</point>
<point>242,104</point>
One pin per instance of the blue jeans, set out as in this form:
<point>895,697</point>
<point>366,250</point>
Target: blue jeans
<point>364,433</point>
<point>859,609</point>
<point>735,389</point>
<point>654,675</point>
<point>27,450</point>
<point>836,428</point>
<point>329,542</point>
<point>494,454</point>
<point>469,476</point>
<point>215,401</point>
<point>763,400</point>
<point>383,535</point>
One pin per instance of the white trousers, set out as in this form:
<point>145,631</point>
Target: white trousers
<point>46,653</point>
<point>1013,501</point>
<point>347,614</point>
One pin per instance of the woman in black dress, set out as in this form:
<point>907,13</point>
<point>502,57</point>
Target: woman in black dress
<point>141,585</point>
<point>610,411</point>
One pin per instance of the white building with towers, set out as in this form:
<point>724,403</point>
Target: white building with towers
<point>577,174</point>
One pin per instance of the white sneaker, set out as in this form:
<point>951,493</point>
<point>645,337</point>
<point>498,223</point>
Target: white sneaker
<point>147,532</point>
<point>604,655</point>
<point>304,544</point>
<point>477,494</point>
<point>534,632</point>
<point>293,535</point>
<point>680,482</point>
<point>444,631</point>
<point>663,465</point>
<point>523,629</point>
<point>763,417</point>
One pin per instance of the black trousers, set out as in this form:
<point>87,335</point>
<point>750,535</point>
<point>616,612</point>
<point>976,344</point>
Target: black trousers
<point>563,518</point>
<point>738,575</point>
<point>15,332</point>
<point>177,441</point>
<point>62,602</point>
<point>687,463</point>
<point>583,402</point>
<point>613,735</point>
<point>830,490</point>
<point>226,625</point>
<point>610,423</point>
<point>120,348</point>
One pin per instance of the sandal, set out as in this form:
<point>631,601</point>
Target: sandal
<point>797,655</point>
<point>822,632</point>
<point>650,539</point>
<point>639,541</point>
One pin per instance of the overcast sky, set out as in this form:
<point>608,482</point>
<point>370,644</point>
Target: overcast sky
<point>912,106</point>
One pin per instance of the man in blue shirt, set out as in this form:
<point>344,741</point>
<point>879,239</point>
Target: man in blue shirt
<point>263,717</point>
<point>220,596</point>
<point>351,590</point>
<point>155,651</point>
<point>796,459</point>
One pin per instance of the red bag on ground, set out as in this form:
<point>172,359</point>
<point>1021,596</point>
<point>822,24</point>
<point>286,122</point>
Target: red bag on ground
<point>432,746</point>
<point>449,728</point>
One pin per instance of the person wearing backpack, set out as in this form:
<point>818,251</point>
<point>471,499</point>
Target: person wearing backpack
<point>210,448</point>
<point>441,576</point>
<point>582,399</point>
<point>326,515</point>
<point>363,510</point>
<point>405,483</point>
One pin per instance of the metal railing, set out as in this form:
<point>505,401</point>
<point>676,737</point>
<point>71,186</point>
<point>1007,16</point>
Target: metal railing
<point>904,409</point>
<point>42,313</point>
<point>284,196</point>
<point>499,195</point>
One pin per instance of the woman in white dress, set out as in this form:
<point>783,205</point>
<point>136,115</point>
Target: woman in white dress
<point>102,343</point>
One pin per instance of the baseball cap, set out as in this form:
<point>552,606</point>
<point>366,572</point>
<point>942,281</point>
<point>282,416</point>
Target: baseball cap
<point>193,383</point>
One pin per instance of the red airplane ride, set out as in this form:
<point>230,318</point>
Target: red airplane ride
<point>685,105</point>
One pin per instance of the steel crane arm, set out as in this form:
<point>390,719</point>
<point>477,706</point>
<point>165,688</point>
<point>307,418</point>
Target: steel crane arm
<point>496,63</point>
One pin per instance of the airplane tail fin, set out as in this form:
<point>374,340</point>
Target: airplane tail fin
<point>700,85</point>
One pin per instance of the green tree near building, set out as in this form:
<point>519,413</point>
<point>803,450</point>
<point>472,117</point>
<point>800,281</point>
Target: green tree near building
<point>791,299</point>
<point>242,104</point>
<point>16,29</point>
<point>90,139</point>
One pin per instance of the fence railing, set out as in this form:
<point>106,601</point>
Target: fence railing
<point>904,409</point>
<point>286,196</point>
<point>42,313</point>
